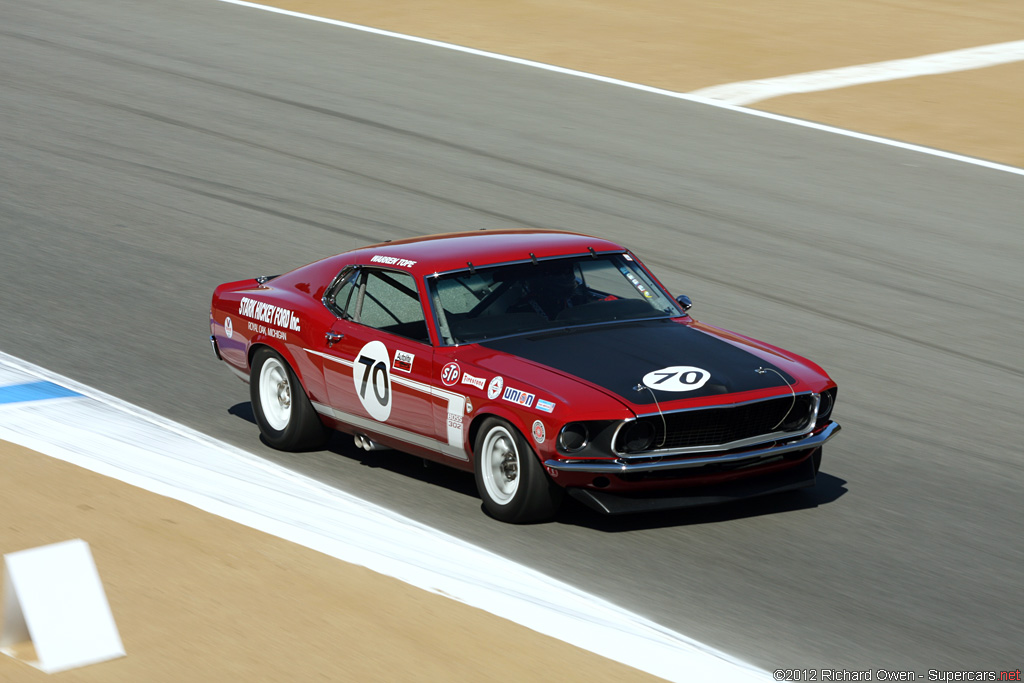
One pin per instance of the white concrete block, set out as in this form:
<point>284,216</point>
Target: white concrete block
<point>53,597</point>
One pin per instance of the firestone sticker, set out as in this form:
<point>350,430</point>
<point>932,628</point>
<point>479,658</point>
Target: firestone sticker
<point>677,378</point>
<point>269,314</point>
<point>517,396</point>
<point>450,374</point>
<point>478,382</point>
<point>538,431</point>
<point>494,388</point>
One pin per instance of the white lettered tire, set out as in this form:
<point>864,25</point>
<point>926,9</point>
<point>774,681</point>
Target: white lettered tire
<point>283,412</point>
<point>510,478</point>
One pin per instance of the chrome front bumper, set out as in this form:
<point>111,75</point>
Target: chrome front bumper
<point>622,466</point>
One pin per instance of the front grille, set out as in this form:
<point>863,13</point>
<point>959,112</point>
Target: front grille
<point>722,425</point>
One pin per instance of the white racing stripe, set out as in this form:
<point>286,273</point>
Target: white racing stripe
<point>108,436</point>
<point>645,88</point>
<point>748,92</point>
<point>456,406</point>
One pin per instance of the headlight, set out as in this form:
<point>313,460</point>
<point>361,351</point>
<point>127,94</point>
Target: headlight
<point>795,422</point>
<point>573,437</point>
<point>637,437</point>
<point>828,401</point>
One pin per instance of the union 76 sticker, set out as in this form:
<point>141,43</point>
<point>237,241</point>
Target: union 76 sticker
<point>677,378</point>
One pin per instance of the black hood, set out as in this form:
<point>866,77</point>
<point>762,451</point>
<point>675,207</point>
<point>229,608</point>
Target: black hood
<point>618,356</point>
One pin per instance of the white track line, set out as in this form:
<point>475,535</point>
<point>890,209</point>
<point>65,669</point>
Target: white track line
<point>638,86</point>
<point>106,435</point>
<point>748,92</point>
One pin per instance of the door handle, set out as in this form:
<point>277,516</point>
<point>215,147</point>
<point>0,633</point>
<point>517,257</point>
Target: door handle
<point>333,337</point>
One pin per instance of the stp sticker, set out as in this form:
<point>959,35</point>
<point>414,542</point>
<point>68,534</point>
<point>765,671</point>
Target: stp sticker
<point>403,361</point>
<point>494,388</point>
<point>450,374</point>
<point>229,328</point>
<point>538,431</point>
<point>372,380</point>
<point>677,378</point>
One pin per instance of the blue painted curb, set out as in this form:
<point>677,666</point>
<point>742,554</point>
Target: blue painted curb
<point>34,391</point>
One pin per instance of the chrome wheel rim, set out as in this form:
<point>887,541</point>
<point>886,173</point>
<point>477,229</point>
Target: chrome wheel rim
<point>275,394</point>
<point>499,461</point>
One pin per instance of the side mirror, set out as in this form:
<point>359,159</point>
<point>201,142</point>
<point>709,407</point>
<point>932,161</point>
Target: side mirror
<point>684,301</point>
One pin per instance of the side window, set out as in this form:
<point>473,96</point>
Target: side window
<point>391,303</point>
<point>342,297</point>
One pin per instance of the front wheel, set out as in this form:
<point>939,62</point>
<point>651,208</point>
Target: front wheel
<point>510,479</point>
<point>283,412</point>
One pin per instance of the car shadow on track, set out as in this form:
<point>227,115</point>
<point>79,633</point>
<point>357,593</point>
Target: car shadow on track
<point>244,411</point>
<point>828,489</point>
<point>410,466</point>
<point>398,462</point>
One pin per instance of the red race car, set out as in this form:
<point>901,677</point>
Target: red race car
<point>544,362</point>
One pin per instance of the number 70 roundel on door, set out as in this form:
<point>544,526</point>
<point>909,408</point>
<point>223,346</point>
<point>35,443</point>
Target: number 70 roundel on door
<point>372,380</point>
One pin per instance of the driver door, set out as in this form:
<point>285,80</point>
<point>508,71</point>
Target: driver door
<point>378,357</point>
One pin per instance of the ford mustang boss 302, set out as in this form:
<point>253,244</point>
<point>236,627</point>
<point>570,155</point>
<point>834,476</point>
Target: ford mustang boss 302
<point>543,362</point>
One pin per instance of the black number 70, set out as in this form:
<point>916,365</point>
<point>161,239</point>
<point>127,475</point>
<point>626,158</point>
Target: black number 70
<point>375,366</point>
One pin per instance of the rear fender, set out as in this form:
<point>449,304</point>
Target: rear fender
<point>261,343</point>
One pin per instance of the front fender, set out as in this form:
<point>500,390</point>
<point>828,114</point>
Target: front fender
<point>506,414</point>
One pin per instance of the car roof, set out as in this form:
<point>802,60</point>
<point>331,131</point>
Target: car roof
<point>452,251</point>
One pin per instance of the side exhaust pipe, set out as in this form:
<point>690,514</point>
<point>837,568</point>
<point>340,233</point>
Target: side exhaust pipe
<point>367,444</point>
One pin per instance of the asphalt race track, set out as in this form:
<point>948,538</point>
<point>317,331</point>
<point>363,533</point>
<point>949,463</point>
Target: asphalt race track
<point>149,151</point>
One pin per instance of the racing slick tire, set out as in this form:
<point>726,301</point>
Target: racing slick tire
<point>283,412</point>
<point>509,477</point>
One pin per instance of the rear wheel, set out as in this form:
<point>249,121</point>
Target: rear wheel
<point>283,412</point>
<point>510,479</point>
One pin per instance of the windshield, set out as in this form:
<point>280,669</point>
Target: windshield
<point>498,301</point>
